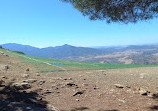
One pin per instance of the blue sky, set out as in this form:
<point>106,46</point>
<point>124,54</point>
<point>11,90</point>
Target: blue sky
<point>44,23</point>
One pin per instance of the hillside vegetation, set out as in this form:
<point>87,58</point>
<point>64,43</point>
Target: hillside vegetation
<point>138,54</point>
<point>46,65</point>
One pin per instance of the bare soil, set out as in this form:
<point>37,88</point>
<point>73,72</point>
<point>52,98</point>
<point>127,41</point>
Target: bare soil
<point>89,90</point>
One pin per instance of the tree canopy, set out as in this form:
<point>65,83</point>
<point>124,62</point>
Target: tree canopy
<point>124,11</point>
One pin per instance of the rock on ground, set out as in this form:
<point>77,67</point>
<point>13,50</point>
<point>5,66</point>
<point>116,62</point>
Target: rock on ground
<point>20,86</point>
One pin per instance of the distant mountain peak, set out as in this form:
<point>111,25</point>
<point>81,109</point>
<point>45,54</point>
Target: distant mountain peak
<point>67,45</point>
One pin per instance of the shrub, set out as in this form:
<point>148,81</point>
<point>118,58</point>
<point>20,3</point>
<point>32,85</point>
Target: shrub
<point>19,52</point>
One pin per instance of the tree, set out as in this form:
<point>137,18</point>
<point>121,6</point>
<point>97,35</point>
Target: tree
<point>124,11</point>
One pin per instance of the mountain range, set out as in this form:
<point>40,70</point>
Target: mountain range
<point>134,54</point>
<point>58,52</point>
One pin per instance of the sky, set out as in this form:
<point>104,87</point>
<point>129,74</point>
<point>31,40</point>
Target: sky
<point>44,23</point>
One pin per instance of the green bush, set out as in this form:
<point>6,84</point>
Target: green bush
<point>19,52</point>
<point>1,47</point>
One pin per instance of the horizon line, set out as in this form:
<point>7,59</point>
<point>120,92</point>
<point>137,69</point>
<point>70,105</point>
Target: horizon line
<point>85,46</point>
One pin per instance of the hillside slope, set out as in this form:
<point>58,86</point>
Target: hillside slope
<point>93,90</point>
<point>48,65</point>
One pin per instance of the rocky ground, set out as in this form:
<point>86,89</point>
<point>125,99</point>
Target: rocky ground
<point>24,89</point>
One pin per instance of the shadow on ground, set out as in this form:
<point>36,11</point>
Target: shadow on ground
<point>155,97</point>
<point>87,109</point>
<point>78,109</point>
<point>109,110</point>
<point>154,108</point>
<point>15,100</point>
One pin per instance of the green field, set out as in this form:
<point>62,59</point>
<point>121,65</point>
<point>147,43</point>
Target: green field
<point>45,64</point>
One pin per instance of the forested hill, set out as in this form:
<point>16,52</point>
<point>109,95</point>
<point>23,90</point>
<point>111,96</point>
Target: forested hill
<point>134,54</point>
<point>59,52</point>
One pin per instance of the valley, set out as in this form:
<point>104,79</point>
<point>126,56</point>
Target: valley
<point>134,54</point>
